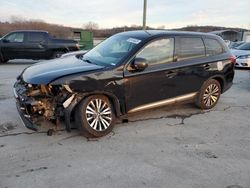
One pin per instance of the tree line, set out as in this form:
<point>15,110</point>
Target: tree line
<point>67,32</point>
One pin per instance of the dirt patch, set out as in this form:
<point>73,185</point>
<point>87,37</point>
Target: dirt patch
<point>31,170</point>
<point>234,186</point>
<point>207,154</point>
<point>3,97</point>
<point>7,126</point>
<point>36,169</point>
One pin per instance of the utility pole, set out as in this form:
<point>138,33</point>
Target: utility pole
<point>144,15</point>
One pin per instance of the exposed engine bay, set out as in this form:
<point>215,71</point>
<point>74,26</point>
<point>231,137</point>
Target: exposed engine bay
<point>42,102</point>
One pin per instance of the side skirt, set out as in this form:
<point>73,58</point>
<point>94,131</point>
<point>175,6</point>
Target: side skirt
<point>169,101</point>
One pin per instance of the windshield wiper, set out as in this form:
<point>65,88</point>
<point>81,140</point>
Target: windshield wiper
<point>88,61</point>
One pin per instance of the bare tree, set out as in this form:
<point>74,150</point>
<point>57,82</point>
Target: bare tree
<point>91,26</point>
<point>161,27</point>
<point>15,19</point>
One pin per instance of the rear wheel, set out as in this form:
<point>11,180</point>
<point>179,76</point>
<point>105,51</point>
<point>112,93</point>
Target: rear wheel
<point>209,94</point>
<point>57,54</point>
<point>94,116</point>
<point>4,61</point>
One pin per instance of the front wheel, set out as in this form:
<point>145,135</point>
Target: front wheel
<point>94,116</point>
<point>209,94</point>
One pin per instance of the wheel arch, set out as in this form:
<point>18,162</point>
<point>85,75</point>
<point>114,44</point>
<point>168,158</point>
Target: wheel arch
<point>113,99</point>
<point>221,80</point>
<point>1,56</point>
<point>64,50</point>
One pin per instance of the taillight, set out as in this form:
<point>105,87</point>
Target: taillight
<point>77,46</point>
<point>233,59</point>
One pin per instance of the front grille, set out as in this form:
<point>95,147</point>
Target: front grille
<point>244,64</point>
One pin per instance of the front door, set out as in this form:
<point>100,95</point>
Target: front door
<point>157,81</point>
<point>13,45</point>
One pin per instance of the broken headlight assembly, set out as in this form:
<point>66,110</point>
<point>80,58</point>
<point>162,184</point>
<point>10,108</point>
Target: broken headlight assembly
<point>43,102</point>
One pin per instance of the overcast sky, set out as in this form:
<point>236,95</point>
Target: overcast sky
<point>111,13</point>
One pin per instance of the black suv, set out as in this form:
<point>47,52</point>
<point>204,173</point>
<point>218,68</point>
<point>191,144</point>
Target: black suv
<point>34,44</point>
<point>127,73</point>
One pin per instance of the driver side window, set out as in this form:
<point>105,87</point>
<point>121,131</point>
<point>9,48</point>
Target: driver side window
<point>15,37</point>
<point>158,52</point>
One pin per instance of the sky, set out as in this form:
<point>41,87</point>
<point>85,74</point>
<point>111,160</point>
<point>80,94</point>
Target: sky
<point>112,13</point>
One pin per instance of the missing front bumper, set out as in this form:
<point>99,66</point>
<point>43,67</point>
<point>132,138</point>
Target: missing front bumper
<point>25,118</point>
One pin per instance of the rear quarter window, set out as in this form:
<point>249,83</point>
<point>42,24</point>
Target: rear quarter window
<point>191,48</point>
<point>213,47</point>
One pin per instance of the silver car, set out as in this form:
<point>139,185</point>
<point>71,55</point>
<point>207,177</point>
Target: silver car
<point>242,54</point>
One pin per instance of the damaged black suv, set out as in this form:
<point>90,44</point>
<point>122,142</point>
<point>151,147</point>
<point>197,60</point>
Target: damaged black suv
<point>127,73</point>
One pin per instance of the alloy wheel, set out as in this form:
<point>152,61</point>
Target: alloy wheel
<point>211,95</point>
<point>98,114</point>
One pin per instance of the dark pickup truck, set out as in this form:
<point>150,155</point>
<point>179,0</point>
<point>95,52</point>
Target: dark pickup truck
<point>34,45</point>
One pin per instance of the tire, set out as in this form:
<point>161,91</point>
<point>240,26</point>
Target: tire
<point>209,94</point>
<point>57,54</point>
<point>3,61</point>
<point>93,122</point>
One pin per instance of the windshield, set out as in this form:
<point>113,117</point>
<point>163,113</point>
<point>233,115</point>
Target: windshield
<point>245,46</point>
<point>112,50</point>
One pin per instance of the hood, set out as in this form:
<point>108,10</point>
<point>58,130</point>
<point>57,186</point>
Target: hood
<point>238,53</point>
<point>47,71</point>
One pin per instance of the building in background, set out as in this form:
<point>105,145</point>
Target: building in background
<point>233,35</point>
<point>84,38</point>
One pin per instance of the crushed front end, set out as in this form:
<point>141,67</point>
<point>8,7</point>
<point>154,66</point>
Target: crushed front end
<point>39,103</point>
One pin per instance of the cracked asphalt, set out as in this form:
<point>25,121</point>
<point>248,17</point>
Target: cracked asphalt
<point>177,146</point>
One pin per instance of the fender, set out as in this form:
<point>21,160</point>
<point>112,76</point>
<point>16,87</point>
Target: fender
<point>221,80</point>
<point>114,100</point>
<point>79,97</point>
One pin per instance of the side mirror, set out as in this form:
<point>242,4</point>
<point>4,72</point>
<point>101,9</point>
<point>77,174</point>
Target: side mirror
<point>5,40</point>
<point>139,64</point>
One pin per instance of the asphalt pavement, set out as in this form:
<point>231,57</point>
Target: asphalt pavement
<point>177,146</point>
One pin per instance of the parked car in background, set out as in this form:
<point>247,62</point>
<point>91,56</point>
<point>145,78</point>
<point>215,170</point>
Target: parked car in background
<point>31,44</point>
<point>228,42</point>
<point>127,73</point>
<point>242,54</point>
<point>234,45</point>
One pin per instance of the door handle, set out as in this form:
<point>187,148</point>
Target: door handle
<point>171,74</point>
<point>41,45</point>
<point>206,66</point>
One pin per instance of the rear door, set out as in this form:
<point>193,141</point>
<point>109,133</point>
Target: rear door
<point>193,65</point>
<point>36,45</point>
<point>13,46</point>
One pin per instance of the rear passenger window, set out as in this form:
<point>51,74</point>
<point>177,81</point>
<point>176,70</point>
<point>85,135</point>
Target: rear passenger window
<point>36,37</point>
<point>158,52</point>
<point>213,47</point>
<point>191,48</point>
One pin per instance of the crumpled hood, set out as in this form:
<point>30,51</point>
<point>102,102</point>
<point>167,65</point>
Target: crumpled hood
<point>238,53</point>
<point>47,71</point>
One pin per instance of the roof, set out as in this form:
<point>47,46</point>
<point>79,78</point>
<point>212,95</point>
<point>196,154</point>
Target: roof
<point>30,31</point>
<point>143,34</point>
